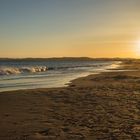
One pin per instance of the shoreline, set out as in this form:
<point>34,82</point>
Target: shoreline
<point>117,67</point>
<point>102,106</point>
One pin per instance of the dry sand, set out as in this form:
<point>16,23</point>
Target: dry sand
<point>98,107</point>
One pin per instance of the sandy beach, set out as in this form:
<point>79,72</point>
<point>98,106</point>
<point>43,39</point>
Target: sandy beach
<point>105,106</point>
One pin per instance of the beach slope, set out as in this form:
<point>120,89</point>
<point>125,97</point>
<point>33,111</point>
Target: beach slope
<point>104,106</point>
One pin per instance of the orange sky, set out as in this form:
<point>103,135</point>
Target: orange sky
<point>104,28</point>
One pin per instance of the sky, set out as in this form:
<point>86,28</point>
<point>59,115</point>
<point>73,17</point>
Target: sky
<point>69,28</point>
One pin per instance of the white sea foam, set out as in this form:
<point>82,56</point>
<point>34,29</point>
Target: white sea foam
<point>16,70</point>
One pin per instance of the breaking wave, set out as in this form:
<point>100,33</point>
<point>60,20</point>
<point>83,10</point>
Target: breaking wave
<point>14,70</point>
<point>22,70</point>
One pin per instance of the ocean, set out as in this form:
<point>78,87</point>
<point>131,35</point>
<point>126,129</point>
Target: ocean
<point>16,74</point>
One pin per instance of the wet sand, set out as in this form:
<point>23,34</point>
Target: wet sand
<point>105,106</point>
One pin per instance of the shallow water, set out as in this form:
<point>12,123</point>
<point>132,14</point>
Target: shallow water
<point>15,75</point>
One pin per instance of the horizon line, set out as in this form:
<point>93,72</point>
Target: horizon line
<point>69,57</point>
